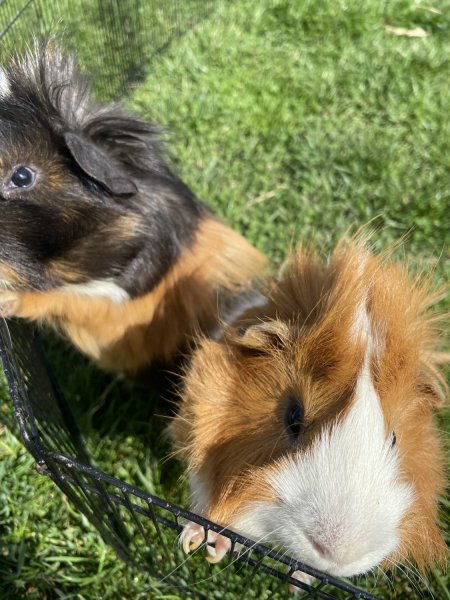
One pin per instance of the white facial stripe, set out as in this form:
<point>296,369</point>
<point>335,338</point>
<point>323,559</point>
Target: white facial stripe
<point>360,328</point>
<point>343,494</point>
<point>98,288</point>
<point>5,89</point>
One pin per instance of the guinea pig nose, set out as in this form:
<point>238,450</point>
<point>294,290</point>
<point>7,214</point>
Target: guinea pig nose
<point>319,548</point>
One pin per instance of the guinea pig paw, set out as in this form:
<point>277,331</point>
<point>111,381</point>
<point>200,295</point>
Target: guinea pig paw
<point>191,537</point>
<point>220,548</point>
<point>303,577</point>
<point>9,304</point>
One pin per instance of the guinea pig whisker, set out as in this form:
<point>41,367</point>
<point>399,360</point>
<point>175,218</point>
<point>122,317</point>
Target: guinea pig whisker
<point>174,453</point>
<point>226,566</point>
<point>418,578</point>
<point>182,563</point>
<point>411,573</point>
<point>378,571</point>
<point>411,580</point>
<point>375,574</point>
<point>383,574</point>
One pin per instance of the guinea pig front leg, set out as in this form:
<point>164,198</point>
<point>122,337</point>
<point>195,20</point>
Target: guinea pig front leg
<point>27,305</point>
<point>303,577</point>
<point>193,535</point>
<point>9,303</point>
<point>35,305</point>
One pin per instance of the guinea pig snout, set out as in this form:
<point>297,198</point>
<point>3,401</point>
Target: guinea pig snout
<point>319,547</point>
<point>336,547</point>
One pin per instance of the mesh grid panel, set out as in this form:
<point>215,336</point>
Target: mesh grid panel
<point>115,40</point>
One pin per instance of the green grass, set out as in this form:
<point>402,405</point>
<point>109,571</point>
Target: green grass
<point>293,120</point>
<point>114,41</point>
<point>297,122</point>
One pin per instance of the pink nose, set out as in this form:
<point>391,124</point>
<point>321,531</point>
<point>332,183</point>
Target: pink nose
<point>319,548</point>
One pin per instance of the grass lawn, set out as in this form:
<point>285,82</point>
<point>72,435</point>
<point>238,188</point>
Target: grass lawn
<point>293,120</point>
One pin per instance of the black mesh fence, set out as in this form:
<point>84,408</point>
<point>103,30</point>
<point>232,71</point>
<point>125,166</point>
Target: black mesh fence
<point>115,40</point>
<point>141,527</point>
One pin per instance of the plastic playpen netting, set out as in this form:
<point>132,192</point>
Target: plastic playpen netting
<point>142,528</point>
<point>115,40</point>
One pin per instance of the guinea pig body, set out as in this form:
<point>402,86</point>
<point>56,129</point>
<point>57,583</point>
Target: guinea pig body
<point>99,237</point>
<point>309,424</point>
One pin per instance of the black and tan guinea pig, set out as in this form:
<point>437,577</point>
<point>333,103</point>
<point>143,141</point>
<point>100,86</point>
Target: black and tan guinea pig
<point>99,238</point>
<point>310,423</point>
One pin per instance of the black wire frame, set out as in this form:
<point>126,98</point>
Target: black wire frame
<point>141,528</point>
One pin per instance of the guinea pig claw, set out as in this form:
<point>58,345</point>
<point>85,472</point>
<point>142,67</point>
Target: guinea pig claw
<point>300,576</point>
<point>191,537</point>
<point>220,548</point>
<point>8,304</point>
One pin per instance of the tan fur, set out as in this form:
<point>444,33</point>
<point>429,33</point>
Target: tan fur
<point>129,335</point>
<point>230,426</point>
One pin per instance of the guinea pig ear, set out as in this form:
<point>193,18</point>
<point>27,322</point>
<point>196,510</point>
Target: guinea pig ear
<point>264,336</point>
<point>98,166</point>
<point>433,389</point>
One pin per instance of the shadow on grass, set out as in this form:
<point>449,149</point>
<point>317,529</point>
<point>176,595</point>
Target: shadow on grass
<point>122,422</point>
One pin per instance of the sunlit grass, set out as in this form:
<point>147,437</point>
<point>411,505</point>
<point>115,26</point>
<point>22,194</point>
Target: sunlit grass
<point>293,120</point>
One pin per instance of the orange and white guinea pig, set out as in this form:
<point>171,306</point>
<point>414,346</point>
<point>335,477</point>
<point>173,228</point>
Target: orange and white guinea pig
<point>309,423</point>
<point>99,237</point>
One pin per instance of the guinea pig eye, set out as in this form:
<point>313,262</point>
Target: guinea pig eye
<point>23,177</point>
<point>294,416</point>
<point>393,439</point>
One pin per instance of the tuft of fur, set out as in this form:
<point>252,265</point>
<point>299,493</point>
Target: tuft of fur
<point>357,331</point>
<point>47,83</point>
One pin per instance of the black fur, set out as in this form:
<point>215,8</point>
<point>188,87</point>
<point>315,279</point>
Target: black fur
<point>95,165</point>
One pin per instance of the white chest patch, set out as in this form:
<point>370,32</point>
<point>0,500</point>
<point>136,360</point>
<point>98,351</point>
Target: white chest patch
<point>339,504</point>
<point>5,89</point>
<point>98,288</point>
<point>5,284</point>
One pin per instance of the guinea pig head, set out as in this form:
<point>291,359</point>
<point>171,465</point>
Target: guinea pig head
<point>68,207</point>
<point>310,425</point>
